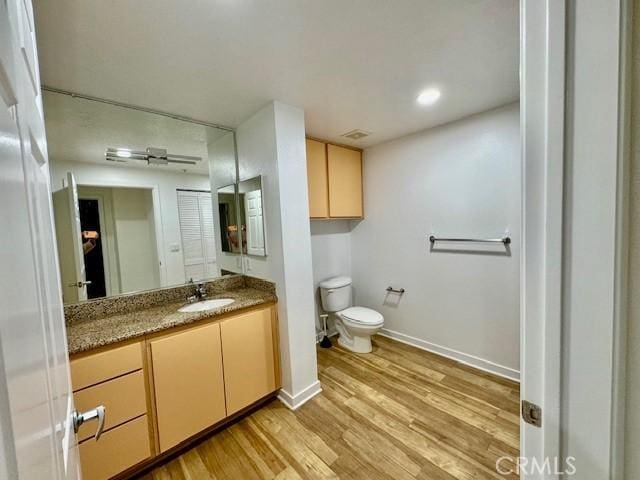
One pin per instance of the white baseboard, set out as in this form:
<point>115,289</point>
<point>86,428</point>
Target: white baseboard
<point>294,402</point>
<point>471,360</point>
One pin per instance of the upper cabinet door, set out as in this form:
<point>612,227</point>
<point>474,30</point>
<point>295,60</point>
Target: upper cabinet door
<point>317,179</point>
<point>345,182</point>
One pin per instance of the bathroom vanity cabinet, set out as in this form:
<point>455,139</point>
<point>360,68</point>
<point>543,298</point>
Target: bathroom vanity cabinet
<point>172,386</point>
<point>334,178</point>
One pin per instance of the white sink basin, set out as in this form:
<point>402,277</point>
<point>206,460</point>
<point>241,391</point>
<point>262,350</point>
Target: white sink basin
<point>206,305</point>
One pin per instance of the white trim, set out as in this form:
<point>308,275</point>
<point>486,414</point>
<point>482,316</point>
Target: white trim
<point>618,399</point>
<point>104,231</point>
<point>465,358</point>
<point>157,215</point>
<point>592,283</point>
<point>293,402</point>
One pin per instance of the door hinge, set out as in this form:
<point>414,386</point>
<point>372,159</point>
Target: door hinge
<point>531,413</point>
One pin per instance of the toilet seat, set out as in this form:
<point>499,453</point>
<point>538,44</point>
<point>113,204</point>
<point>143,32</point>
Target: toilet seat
<point>362,316</point>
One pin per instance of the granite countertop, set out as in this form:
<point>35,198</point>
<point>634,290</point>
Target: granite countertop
<point>94,333</point>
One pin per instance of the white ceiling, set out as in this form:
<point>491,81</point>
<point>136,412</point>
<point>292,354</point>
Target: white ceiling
<point>355,64</point>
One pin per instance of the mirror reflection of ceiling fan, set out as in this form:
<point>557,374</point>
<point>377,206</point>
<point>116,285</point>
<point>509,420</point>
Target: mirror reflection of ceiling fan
<point>153,156</point>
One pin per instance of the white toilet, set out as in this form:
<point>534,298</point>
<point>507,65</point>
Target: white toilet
<point>354,324</point>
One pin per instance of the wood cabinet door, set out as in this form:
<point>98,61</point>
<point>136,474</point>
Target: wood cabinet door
<point>317,179</point>
<point>250,366</point>
<point>345,182</point>
<point>188,383</point>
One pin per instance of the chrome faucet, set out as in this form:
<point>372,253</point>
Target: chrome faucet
<point>199,294</point>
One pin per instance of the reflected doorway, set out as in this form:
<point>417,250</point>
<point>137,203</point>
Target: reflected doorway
<point>90,223</point>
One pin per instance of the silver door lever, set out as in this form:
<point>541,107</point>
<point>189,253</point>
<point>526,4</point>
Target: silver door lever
<point>96,414</point>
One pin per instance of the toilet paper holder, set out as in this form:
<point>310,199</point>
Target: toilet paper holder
<point>394,290</point>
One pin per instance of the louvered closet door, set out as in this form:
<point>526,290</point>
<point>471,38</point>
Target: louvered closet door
<point>198,234</point>
<point>208,233</point>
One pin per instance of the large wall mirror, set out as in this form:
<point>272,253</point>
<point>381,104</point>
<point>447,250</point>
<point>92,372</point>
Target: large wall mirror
<point>135,198</point>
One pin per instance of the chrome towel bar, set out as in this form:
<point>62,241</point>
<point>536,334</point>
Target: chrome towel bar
<point>506,240</point>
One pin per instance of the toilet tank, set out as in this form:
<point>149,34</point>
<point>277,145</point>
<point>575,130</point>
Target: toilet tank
<point>335,294</point>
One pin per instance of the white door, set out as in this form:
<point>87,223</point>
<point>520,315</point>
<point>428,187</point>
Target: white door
<point>542,65</point>
<point>255,230</point>
<point>68,232</point>
<point>36,439</point>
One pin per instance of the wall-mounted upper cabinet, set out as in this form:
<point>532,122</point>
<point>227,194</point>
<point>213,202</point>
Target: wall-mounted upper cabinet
<point>335,181</point>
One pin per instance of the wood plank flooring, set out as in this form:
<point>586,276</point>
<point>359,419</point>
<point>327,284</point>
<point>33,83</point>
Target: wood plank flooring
<point>398,413</point>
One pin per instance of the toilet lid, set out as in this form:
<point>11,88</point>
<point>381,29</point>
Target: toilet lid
<point>335,282</point>
<point>363,315</point>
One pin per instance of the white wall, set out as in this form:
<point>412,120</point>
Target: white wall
<point>257,155</point>
<point>166,183</point>
<point>135,237</point>
<point>222,173</point>
<point>272,144</point>
<point>460,180</point>
<point>331,248</point>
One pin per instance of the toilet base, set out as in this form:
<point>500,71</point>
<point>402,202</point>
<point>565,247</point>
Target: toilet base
<point>356,344</point>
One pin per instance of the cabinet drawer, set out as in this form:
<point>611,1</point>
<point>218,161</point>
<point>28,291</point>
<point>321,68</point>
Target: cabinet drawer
<point>117,450</point>
<point>124,399</point>
<point>99,367</point>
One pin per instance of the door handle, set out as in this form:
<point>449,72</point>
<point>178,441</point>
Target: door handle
<point>97,413</point>
<point>80,284</point>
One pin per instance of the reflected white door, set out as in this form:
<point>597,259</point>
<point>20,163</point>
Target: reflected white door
<point>69,236</point>
<point>76,230</point>
<point>255,230</point>
<point>36,440</point>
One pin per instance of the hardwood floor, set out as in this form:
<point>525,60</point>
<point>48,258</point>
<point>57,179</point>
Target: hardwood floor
<point>398,413</point>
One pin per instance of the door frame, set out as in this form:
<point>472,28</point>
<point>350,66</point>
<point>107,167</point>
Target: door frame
<point>575,150</point>
<point>157,216</point>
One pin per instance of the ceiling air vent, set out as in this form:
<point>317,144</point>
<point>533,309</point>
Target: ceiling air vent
<point>356,134</point>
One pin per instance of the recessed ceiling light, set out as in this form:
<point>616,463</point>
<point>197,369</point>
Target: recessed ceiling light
<point>428,96</point>
<point>123,153</point>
